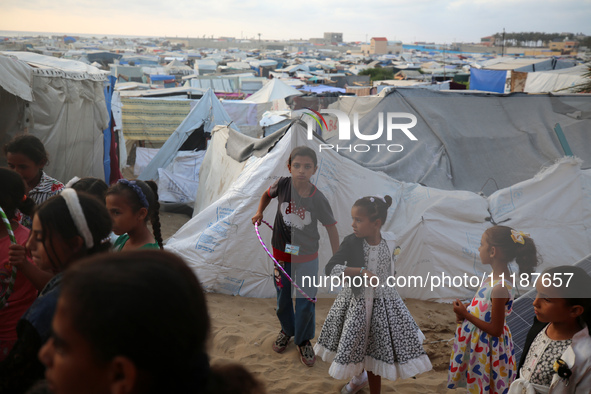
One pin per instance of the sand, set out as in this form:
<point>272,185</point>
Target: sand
<point>243,330</point>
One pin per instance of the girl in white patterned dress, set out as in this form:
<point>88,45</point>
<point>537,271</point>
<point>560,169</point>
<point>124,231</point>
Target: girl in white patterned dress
<point>369,332</point>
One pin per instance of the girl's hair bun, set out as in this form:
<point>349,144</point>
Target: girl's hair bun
<point>388,201</point>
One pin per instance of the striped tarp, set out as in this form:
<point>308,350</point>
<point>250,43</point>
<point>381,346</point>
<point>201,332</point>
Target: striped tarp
<point>151,119</point>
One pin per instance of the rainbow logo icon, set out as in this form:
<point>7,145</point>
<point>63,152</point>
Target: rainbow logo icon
<point>317,117</point>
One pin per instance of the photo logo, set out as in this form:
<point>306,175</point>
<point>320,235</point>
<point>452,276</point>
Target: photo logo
<point>317,117</point>
<point>391,119</point>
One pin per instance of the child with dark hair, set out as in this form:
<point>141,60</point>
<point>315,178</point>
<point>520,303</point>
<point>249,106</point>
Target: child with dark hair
<point>26,155</point>
<point>95,186</point>
<point>17,292</point>
<point>65,229</point>
<point>368,332</point>
<point>110,309</point>
<point>556,357</point>
<point>483,358</point>
<point>295,239</point>
<point>131,204</point>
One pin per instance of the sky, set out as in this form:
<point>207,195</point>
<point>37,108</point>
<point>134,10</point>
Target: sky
<point>439,21</point>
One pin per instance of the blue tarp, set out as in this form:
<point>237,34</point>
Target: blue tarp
<point>488,80</point>
<point>161,77</point>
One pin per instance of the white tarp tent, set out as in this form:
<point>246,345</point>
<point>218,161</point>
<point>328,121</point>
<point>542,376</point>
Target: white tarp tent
<point>273,90</point>
<point>208,112</point>
<point>179,181</point>
<point>563,80</point>
<point>67,112</point>
<point>438,230</point>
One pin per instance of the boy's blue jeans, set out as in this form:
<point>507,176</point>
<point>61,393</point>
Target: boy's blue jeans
<point>301,323</point>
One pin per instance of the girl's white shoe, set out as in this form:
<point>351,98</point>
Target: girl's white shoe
<point>356,384</point>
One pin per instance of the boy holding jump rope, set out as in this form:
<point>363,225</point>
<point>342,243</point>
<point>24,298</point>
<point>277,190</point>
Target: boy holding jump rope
<point>295,246</point>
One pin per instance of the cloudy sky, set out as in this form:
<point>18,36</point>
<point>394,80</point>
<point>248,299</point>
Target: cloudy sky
<point>440,21</point>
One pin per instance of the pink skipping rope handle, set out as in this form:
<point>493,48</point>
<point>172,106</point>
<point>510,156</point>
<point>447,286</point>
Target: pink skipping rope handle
<point>256,228</point>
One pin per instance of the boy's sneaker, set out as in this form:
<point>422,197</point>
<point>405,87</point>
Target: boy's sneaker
<point>281,342</point>
<point>307,354</point>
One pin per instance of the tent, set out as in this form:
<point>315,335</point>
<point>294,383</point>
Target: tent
<point>273,90</point>
<point>207,113</point>
<point>563,80</point>
<point>438,230</point>
<point>465,141</point>
<point>63,103</point>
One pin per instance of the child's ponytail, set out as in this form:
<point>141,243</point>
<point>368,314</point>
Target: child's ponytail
<point>526,256</point>
<point>514,245</point>
<point>155,214</point>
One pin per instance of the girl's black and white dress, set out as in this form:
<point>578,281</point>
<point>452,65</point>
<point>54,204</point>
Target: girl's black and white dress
<point>371,328</point>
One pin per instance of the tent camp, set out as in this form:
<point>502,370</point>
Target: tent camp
<point>438,230</point>
<point>63,103</point>
<point>465,141</point>
<point>204,116</point>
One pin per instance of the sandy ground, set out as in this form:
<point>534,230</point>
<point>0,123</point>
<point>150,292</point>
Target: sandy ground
<point>243,330</point>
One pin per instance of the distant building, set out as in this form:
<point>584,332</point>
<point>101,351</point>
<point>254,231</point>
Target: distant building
<point>565,47</point>
<point>487,41</point>
<point>330,38</point>
<point>378,46</point>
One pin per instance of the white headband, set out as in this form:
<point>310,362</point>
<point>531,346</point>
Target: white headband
<point>72,181</point>
<point>71,198</point>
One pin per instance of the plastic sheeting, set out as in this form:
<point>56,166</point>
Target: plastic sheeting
<point>16,77</point>
<point>178,182</point>
<point>563,80</point>
<point>438,231</point>
<point>469,141</point>
<point>208,111</point>
<point>488,80</point>
<point>68,114</point>
<point>273,90</point>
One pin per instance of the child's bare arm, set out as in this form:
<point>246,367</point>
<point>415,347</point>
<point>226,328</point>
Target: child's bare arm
<point>500,296</point>
<point>333,236</point>
<point>265,200</point>
<point>17,257</point>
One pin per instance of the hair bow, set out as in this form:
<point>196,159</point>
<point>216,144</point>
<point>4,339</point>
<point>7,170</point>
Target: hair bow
<point>518,236</point>
<point>372,199</point>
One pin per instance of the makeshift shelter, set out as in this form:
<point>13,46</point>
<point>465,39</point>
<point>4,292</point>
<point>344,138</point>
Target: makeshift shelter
<point>205,115</point>
<point>464,141</point>
<point>438,231</point>
<point>273,90</point>
<point>564,80</point>
<point>62,102</point>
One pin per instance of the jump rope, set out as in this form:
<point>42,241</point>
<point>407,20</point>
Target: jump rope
<point>7,283</point>
<point>302,292</point>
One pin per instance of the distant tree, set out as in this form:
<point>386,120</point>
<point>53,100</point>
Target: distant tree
<point>378,74</point>
<point>585,87</point>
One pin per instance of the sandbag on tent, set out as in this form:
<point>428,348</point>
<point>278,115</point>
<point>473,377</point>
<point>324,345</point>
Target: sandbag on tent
<point>438,230</point>
<point>207,113</point>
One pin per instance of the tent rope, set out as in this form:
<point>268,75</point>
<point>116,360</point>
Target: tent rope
<point>256,228</point>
